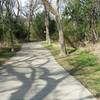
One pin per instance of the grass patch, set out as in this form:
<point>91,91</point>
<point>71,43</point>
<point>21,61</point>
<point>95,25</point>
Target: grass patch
<point>5,53</point>
<point>84,59</point>
<point>83,65</point>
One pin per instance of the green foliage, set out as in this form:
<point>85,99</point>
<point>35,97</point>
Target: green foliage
<point>53,29</point>
<point>5,53</point>
<point>55,36</point>
<point>20,30</point>
<point>98,28</point>
<point>75,34</point>
<point>39,25</point>
<point>84,59</point>
<point>16,27</point>
<point>80,20</point>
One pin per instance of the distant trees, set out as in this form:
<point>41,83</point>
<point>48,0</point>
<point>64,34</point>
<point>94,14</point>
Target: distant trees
<point>38,26</point>
<point>77,24</point>
<point>82,16</point>
<point>7,13</point>
<point>32,7</point>
<point>10,21</point>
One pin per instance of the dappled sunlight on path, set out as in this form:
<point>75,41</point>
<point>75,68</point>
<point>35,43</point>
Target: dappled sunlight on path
<point>33,74</point>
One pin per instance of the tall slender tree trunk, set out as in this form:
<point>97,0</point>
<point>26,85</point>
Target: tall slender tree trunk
<point>61,37</point>
<point>47,26</point>
<point>60,29</point>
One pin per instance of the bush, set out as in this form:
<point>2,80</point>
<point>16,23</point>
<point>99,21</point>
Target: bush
<point>84,59</point>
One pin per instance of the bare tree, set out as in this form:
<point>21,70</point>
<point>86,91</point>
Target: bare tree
<point>60,30</point>
<point>29,12</point>
<point>10,15</point>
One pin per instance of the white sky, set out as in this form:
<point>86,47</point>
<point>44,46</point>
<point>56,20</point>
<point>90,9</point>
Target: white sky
<point>23,1</point>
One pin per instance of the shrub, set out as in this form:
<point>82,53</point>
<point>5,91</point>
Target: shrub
<point>84,59</point>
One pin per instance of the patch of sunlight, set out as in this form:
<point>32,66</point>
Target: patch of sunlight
<point>39,62</point>
<point>9,85</point>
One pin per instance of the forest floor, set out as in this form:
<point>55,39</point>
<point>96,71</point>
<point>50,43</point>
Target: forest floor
<point>34,74</point>
<point>83,64</point>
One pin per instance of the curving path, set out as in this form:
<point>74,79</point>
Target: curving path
<point>33,74</point>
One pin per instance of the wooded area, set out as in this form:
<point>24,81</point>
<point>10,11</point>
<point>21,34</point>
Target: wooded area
<point>71,29</point>
<point>72,22</point>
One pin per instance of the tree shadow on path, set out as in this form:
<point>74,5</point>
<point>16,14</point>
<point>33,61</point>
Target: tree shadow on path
<point>51,84</point>
<point>27,82</point>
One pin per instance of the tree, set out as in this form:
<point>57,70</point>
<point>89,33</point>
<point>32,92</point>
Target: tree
<point>82,17</point>
<point>9,17</point>
<point>58,20</point>
<point>47,25</point>
<point>29,13</point>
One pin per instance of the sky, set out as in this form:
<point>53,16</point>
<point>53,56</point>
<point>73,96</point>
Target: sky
<point>23,1</point>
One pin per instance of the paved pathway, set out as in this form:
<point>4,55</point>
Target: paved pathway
<point>33,74</point>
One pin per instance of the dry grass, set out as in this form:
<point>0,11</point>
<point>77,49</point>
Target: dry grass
<point>83,65</point>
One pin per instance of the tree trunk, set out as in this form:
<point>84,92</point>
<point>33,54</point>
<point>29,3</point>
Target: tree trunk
<point>61,37</point>
<point>58,19</point>
<point>12,42</point>
<point>47,27</point>
<point>61,34</point>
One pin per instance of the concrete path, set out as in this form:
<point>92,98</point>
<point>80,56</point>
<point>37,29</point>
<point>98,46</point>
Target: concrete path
<point>33,74</point>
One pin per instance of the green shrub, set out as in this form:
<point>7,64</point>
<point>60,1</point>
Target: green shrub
<point>84,59</point>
